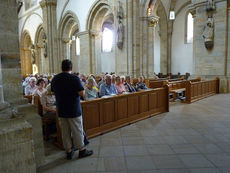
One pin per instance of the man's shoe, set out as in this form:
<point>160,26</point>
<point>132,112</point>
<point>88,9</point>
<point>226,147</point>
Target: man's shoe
<point>85,153</point>
<point>69,155</point>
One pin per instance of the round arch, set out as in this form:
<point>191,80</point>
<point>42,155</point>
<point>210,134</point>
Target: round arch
<point>67,33</point>
<point>41,60</point>
<point>101,16</point>
<point>26,54</point>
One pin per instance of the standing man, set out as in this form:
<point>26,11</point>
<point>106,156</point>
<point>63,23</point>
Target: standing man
<point>68,89</point>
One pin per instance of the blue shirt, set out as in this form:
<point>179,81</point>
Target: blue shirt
<point>66,87</point>
<point>141,86</point>
<point>107,90</point>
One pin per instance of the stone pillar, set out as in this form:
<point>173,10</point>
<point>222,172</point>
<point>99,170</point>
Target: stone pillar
<point>136,39</point>
<point>170,30</point>
<point>50,27</point>
<point>20,151</point>
<point>130,38</point>
<point>85,58</point>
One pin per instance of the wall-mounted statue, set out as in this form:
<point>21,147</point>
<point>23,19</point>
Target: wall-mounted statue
<point>208,33</point>
<point>44,40</point>
<point>120,28</point>
<point>210,6</point>
<point>33,53</point>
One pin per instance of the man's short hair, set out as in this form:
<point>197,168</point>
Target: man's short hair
<point>66,65</point>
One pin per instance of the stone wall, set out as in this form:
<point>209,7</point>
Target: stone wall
<point>214,62</point>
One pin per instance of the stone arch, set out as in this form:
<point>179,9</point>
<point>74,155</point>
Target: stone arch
<point>41,60</point>
<point>67,32</point>
<point>27,18</point>
<point>26,54</point>
<point>100,13</point>
<point>149,33</point>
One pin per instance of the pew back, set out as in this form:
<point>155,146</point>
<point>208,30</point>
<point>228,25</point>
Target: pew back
<point>105,114</point>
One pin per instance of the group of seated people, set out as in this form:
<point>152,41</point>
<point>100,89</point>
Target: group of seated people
<point>107,85</point>
<point>40,86</point>
<point>110,85</point>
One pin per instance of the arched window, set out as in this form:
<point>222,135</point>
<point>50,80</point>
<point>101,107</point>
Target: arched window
<point>190,27</point>
<point>78,46</point>
<point>107,40</point>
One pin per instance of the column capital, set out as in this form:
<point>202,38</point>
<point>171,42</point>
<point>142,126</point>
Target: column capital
<point>152,20</point>
<point>45,3</point>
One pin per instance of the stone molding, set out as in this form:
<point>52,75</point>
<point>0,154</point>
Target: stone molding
<point>45,3</point>
<point>204,3</point>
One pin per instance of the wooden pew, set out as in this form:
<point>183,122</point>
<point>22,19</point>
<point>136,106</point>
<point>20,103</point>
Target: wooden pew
<point>106,114</point>
<point>201,89</point>
<point>176,88</point>
<point>46,122</point>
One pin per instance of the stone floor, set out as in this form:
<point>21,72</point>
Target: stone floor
<point>191,138</point>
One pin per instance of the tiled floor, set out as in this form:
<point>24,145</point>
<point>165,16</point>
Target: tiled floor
<point>191,138</point>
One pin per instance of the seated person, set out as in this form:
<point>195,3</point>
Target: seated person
<point>119,85</point>
<point>102,80</point>
<point>123,79</point>
<point>129,86</point>
<point>113,78</point>
<point>90,91</point>
<point>29,90</point>
<point>155,76</point>
<point>48,103</point>
<point>141,85</point>
<point>108,88</point>
<point>83,79</point>
<point>40,88</point>
<point>25,84</point>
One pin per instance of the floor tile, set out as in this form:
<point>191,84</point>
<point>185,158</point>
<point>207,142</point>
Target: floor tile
<point>106,151</point>
<point>168,161</point>
<point>184,149</point>
<point>159,149</point>
<point>135,150</point>
<point>195,161</point>
<point>140,163</point>
<point>219,160</point>
<point>111,164</point>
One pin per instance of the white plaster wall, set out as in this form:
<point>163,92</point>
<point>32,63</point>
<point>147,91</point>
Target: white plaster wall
<point>157,51</point>
<point>30,22</point>
<point>79,7</point>
<point>182,54</point>
<point>107,62</point>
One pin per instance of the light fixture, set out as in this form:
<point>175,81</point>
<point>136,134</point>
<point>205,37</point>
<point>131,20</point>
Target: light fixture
<point>172,15</point>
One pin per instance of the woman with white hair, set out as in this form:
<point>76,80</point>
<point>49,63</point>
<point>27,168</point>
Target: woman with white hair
<point>90,91</point>
<point>29,90</point>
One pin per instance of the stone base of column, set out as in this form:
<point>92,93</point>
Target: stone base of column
<point>16,146</point>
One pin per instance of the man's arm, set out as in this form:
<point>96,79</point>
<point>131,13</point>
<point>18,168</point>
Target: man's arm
<point>81,93</point>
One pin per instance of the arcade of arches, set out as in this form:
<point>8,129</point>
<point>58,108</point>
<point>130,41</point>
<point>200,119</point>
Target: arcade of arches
<point>128,37</point>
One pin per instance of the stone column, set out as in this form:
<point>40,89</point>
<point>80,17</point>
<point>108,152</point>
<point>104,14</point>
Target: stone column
<point>85,58</point>
<point>130,38</point>
<point>50,27</point>
<point>170,30</point>
<point>20,151</point>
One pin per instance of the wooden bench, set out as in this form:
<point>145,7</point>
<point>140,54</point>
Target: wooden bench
<point>201,89</point>
<point>106,114</point>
